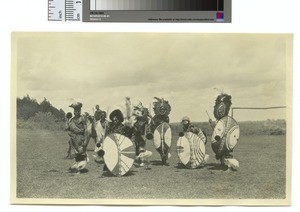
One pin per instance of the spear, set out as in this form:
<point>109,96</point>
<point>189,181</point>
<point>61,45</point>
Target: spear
<point>210,121</point>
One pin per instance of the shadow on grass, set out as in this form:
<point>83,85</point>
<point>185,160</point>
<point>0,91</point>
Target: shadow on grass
<point>74,172</point>
<point>182,166</point>
<point>158,163</point>
<point>70,157</point>
<point>109,174</point>
<point>216,167</point>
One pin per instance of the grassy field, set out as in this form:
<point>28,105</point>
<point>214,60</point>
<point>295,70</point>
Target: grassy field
<point>42,172</point>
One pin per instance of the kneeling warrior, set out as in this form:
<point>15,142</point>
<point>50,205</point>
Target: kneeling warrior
<point>226,132</point>
<point>77,127</point>
<point>187,126</point>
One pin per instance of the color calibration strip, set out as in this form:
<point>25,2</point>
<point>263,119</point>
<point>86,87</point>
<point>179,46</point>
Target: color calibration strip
<point>73,10</point>
<point>56,10</point>
<point>158,5</point>
<point>184,11</point>
<point>64,10</point>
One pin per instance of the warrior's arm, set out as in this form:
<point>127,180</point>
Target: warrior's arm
<point>67,125</point>
<point>77,130</point>
<point>84,124</point>
<point>85,131</point>
<point>149,117</point>
<point>74,128</point>
<point>108,129</point>
<point>194,129</point>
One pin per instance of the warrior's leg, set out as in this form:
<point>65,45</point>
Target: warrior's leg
<point>165,155</point>
<point>222,160</point>
<point>98,145</point>
<point>231,162</point>
<point>100,152</point>
<point>163,159</point>
<point>69,149</point>
<point>139,148</point>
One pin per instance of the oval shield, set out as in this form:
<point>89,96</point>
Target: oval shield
<point>119,153</point>
<point>225,135</point>
<point>162,138</point>
<point>191,150</point>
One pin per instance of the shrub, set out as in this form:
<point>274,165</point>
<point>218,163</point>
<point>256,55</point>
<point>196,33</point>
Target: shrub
<point>41,120</point>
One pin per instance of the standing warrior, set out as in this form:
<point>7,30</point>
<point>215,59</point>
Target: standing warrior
<point>161,120</point>
<point>77,128</point>
<point>140,128</point>
<point>100,124</point>
<point>97,113</point>
<point>94,129</point>
<point>68,118</point>
<point>222,106</point>
<point>162,110</point>
<point>226,132</point>
<point>100,128</point>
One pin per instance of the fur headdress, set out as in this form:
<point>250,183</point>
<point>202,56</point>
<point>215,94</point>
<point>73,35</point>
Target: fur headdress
<point>222,106</point>
<point>117,113</point>
<point>161,107</point>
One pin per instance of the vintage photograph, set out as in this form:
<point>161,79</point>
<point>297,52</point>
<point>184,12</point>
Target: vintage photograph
<point>151,118</point>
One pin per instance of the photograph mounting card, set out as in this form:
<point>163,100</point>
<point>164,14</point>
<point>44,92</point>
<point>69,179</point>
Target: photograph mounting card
<point>184,118</point>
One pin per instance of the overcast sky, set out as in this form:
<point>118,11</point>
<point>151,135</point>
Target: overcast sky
<point>104,68</point>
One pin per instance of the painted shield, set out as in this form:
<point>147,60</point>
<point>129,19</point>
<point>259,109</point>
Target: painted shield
<point>162,138</point>
<point>119,154</point>
<point>225,135</point>
<point>191,150</point>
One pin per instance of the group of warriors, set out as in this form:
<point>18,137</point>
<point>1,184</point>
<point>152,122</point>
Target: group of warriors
<point>121,140</point>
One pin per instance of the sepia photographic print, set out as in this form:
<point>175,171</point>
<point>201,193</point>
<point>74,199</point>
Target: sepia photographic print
<point>151,118</point>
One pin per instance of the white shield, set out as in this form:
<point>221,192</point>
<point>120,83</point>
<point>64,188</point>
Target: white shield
<point>226,133</point>
<point>162,137</point>
<point>191,150</point>
<point>119,154</point>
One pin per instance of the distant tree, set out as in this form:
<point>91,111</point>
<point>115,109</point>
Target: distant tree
<point>28,107</point>
<point>45,106</point>
<point>62,114</point>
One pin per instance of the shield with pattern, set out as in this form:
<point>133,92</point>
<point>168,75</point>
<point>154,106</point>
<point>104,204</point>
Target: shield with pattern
<point>191,150</point>
<point>225,135</point>
<point>119,153</point>
<point>162,138</point>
